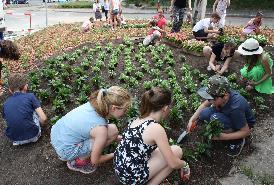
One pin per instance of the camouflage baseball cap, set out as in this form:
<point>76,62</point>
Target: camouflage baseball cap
<point>217,86</point>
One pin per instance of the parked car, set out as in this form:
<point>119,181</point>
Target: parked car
<point>17,1</point>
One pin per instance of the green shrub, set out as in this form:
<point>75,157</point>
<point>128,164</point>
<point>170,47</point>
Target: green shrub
<point>75,4</point>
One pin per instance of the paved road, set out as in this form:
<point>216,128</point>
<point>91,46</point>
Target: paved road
<point>18,21</point>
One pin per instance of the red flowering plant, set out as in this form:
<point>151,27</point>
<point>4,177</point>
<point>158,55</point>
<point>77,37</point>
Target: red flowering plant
<point>178,38</point>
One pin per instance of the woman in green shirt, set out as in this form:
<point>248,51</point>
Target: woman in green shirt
<point>258,68</point>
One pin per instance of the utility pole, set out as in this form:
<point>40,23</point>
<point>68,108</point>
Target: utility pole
<point>46,4</point>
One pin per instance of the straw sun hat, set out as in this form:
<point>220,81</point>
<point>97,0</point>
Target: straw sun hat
<point>250,47</point>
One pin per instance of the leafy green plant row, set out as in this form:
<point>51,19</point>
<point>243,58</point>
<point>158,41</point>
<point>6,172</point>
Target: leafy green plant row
<point>67,80</point>
<point>226,38</point>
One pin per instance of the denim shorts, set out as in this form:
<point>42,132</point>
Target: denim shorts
<point>78,150</point>
<point>115,12</point>
<point>70,152</point>
<point>34,139</point>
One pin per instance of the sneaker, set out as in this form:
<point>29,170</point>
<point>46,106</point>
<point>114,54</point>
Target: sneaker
<point>208,68</point>
<point>235,149</point>
<point>14,143</point>
<point>83,166</point>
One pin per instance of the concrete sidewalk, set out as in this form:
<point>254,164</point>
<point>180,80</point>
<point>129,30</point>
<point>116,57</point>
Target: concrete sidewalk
<point>257,168</point>
<point>127,10</point>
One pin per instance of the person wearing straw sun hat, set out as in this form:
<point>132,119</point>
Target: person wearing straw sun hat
<point>258,68</point>
<point>228,107</point>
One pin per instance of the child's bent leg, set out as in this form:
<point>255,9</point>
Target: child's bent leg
<point>223,119</point>
<point>207,51</point>
<point>85,149</point>
<point>112,133</point>
<point>81,150</point>
<point>147,40</point>
<point>158,167</point>
<point>206,114</point>
<point>257,31</point>
<point>156,35</point>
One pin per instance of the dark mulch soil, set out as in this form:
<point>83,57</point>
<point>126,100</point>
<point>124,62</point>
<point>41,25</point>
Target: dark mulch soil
<point>38,164</point>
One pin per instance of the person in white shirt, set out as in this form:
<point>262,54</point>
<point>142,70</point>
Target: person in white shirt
<point>201,30</point>
<point>220,7</point>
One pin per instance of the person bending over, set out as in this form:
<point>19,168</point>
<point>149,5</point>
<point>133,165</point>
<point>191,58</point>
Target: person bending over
<point>202,31</point>
<point>80,136</point>
<point>230,108</point>
<point>220,56</point>
<point>144,155</point>
<point>22,112</point>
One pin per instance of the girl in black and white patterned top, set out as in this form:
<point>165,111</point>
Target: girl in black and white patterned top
<point>144,155</point>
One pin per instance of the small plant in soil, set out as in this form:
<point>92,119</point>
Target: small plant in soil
<point>58,105</point>
<point>43,95</point>
<point>81,99</point>
<point>69,84</point>
<point>34,78</point>
<point>207,132</point>
<point>123,77</point>
<point>147,85</point>
<point>85,64</point>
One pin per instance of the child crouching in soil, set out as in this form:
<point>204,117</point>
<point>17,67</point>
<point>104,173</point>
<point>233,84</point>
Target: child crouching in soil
<point>144,155</point>
<point>80,136</point>
<point>154,34</point>
<point>22,112</point>
<point>253,26</point>
<point>87,25</point>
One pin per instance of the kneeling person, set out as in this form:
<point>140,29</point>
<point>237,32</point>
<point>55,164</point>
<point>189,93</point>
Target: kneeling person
<point>220,56</point>
<point>201,30</point>
<point>81,135</point>
<point>154,33</point>
<point>230,108</point>
<point>22,112</point>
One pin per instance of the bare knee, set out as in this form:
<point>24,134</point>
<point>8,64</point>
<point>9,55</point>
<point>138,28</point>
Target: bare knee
<point>207,51</point>
<point>112,131</point>
<point>177,151</point>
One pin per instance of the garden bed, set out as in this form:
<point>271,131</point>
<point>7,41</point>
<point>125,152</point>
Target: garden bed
<point>64,81</point>
<point>62,65</point>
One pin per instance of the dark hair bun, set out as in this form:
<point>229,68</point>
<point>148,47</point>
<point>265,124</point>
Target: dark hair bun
<point>151,93</point>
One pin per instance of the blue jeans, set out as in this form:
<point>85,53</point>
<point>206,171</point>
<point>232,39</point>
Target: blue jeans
<point>178,17</point>
<point>210,113</point>
<point>1,36</point>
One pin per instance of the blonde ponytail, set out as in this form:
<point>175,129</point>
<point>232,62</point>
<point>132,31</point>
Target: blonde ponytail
<point>102,99</point>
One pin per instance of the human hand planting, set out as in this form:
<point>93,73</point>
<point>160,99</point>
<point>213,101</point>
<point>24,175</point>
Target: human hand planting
<point>119,138</point>
<point>185,172</point>
<point>250,85</point>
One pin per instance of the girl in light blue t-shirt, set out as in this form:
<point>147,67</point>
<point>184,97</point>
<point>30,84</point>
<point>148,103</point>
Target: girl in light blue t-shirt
<point>80,136</point>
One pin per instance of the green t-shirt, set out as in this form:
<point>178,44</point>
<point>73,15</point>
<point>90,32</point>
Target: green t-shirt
<point>256,73</point>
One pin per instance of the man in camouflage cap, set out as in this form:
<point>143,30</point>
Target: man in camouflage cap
<point>228,107</point>
<point>217,86</point>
